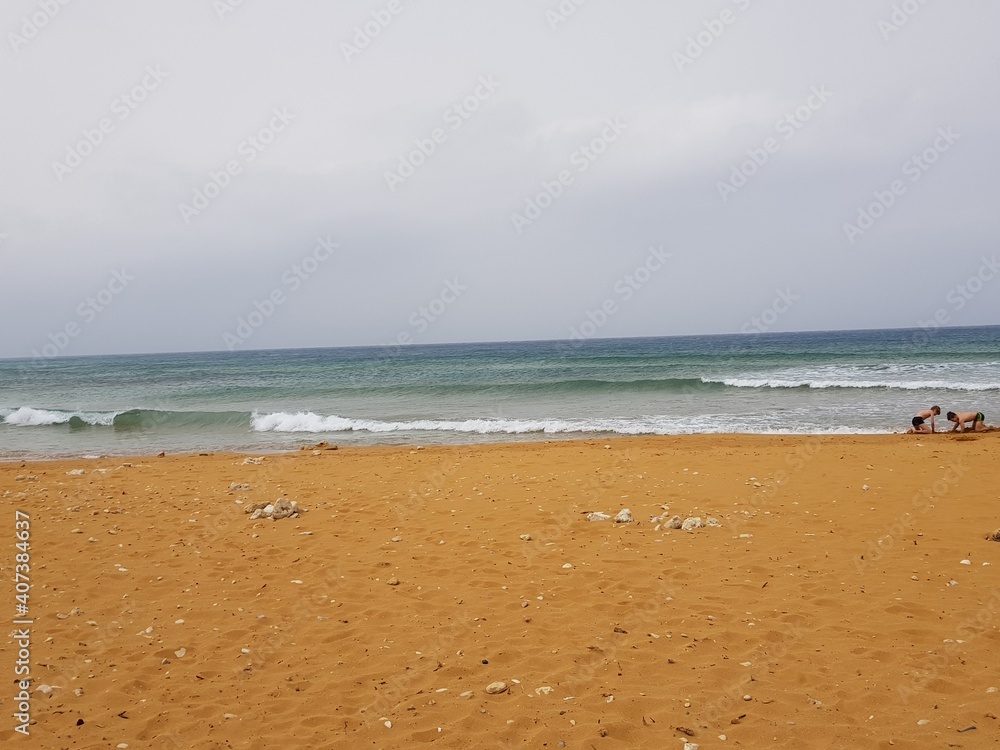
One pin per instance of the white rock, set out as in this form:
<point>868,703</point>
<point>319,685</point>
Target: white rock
<point>922,722</point>
<point>675,522</point>
<point>495,688</point>
<point>690,746</point>
<point>712,521</point>
<point>624,516</point>
<point>525,537</point>
<point>257,514</point>
<point>283,508</point>
<point>966,562</point>
<point>75,472</point>
<point>598,516</point>
<point>46,689</point>
<point>865,487</point>
<point>690,524</point>
<point>567,566</point>
<point>543,690</point>
<point>179,653</point>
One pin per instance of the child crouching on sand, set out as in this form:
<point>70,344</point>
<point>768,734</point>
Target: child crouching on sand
<point>977,418</point>
<point>920,421</point>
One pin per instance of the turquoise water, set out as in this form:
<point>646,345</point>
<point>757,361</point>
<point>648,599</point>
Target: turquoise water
<point>848,381</point>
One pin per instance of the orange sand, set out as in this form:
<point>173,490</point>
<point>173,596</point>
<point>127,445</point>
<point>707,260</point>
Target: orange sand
<point>830,607</point>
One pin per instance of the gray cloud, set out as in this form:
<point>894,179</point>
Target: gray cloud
<point>155,100</point>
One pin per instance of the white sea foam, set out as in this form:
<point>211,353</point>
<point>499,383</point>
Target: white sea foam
<point>27,416</point>
<point>652,425</point>
<point>906,385</point>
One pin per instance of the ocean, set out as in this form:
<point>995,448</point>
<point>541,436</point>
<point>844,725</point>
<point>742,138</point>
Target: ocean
<point>799,383</point>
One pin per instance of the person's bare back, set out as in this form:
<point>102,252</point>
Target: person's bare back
<point>919,422</point>
<point>977,418</point>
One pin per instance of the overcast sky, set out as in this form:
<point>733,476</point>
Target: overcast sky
<point>200,175</point>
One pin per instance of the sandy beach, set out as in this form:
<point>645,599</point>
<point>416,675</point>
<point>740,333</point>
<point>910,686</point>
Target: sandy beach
<point>848,597</point>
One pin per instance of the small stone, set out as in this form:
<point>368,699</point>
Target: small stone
<point>966,562</point>
<point>495,688</point>
<point>78,692</point>
<point>690,524</point>
<point>525,537</point>
<point>566,566</point>
<point>624,516</point>
<point>747,698</point>
<point>922,722</point>
<point>228,716</point>
<point>76,531</point>
<point>992,690</point>
<point>675,522</point>
<point>467,694</point>
<point>543,690</point>
<point>598,516</point>
<point>122,746</point>
<point>397,539</point>
<point>45,689</point>
<point>393,581</point>
<point>179,653</point>
<point>284,508</point>
<point>865,487</point>
<point>712,521</point>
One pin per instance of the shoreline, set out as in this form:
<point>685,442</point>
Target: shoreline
<point>541,440</point>
<point>849,578</point>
